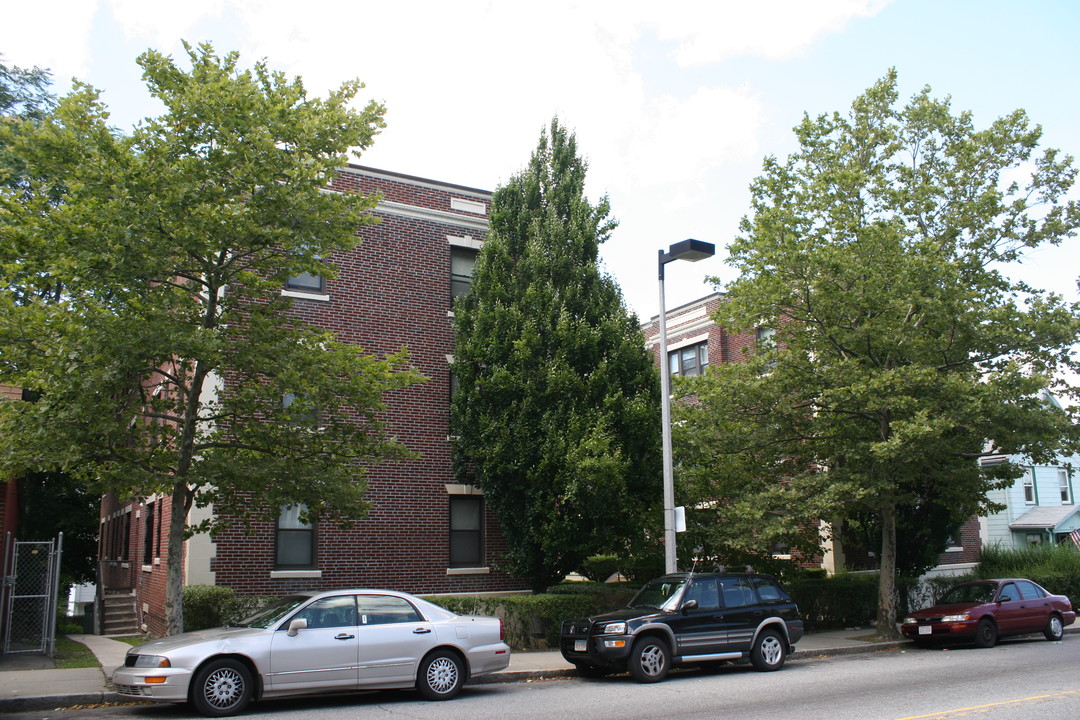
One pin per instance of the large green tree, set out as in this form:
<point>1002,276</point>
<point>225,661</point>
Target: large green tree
<point>144,304</point>
<point>879,253</point>
<point>555,414</point>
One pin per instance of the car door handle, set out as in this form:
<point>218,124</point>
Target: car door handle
<point>421,631</point>
<point>344,636</point>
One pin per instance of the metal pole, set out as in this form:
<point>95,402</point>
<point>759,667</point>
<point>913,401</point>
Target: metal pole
<point>670,562</point>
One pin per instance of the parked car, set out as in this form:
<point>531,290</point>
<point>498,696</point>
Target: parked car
<point>687,619</point>
<point>985,610</point>
<point>314,642</point>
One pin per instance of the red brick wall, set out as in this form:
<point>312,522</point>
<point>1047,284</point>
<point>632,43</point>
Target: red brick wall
<point>688,321</point>
<point>391,292</point>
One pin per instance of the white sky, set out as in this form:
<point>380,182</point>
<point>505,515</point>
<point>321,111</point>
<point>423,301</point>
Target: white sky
<point>674,105</point>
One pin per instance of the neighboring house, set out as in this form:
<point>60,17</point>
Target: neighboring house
<point>1040,506</point>
<point>425,533</point>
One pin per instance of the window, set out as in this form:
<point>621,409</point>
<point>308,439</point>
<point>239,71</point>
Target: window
<point>148,535</point>
<point>1029,488</point>
<point>1066,489</point>
<point>737,592</point>
<point>305,282</point>
<point>466,531</point>
<point>299,415</point>
<point>689,361</point>
<point>295,540</point>
<point>705,592</point>
<point>386,610</point>
<point>766,338</point>
<point>462,262</point>
<point>331,612</point>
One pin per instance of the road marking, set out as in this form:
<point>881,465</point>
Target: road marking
<point>944,713</point>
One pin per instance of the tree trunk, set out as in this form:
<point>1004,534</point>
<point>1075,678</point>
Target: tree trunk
<point>174,572</point>
<point>886,608</point>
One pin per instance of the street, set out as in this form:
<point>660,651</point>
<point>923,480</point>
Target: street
<point>1026,679</point>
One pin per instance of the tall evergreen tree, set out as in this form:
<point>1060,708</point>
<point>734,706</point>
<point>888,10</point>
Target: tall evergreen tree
<point>556,412</point>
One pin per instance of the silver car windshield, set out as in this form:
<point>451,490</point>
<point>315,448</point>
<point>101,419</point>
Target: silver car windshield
<point>661,593</point>
<point>273,612</point>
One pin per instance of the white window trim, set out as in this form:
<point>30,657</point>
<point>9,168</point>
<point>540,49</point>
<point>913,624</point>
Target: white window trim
<point>288,574</point>
<point>468,571</point>
<point>305,295</point>
<point>696,340</point>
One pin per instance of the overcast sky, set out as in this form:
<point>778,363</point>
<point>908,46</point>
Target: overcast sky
<point>674,104</point>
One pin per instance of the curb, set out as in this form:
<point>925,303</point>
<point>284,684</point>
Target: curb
<point>58,702</point>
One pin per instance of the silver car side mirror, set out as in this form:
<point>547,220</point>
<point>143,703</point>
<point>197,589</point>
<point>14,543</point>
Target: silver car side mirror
<point>296,625</point>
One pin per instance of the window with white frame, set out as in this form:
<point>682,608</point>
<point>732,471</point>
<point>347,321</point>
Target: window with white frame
<point>295,540</point>
<point>1066,488</point>
<point>466,531</point>
<point>462,264</point>
<point>689,361</point>
<point>1029,488</point>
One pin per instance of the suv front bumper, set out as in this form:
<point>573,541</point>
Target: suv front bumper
<point>602,650</point>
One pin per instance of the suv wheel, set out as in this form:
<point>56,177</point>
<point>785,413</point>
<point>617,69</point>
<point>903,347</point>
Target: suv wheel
<point>768,652</point>
<point>650,660</point>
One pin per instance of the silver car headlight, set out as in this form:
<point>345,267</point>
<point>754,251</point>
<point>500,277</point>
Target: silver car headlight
<point>909,621</point>
<point>151,661</point>
<point>618,628</point>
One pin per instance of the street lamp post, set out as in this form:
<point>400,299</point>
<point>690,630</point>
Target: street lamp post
<point>691,250</point>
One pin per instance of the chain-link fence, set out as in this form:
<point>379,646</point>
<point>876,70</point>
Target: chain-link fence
<point>29,594</point>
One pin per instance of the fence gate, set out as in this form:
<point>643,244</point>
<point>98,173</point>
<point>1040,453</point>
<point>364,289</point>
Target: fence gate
<point>29,587</point>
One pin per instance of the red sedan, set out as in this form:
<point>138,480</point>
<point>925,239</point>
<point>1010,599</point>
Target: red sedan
<point>985,610</point>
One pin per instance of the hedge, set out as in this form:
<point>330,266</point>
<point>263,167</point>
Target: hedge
<point>533,622</point>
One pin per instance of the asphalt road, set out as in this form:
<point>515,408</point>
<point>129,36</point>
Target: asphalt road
<point>1028,679</point>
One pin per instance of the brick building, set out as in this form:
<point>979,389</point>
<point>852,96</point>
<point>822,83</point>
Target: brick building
<point>425,532</point>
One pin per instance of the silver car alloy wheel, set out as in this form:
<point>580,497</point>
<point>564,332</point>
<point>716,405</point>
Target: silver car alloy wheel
<point>442,675</point>
<point>652,659</point>
<point>223,688</point>
<point>771,649</point>
<point>1056,628</point>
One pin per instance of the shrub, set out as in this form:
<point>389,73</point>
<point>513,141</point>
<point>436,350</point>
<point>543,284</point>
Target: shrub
<point>1055,567</point>
<point>206,606</point>
<point>533,622</point>
<point>600,567</point>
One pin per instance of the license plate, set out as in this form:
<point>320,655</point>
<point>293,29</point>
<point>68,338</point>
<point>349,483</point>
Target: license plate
<point>580,645</point>
<point>925,630</point>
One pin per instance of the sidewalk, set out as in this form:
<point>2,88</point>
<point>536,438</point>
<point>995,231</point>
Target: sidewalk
<point>30,682</point>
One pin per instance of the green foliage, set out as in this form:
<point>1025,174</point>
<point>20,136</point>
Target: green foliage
<point>600,567</point>
<point>69,654</point>
<point>24,100</point>
<point>556,410</point>
<point>842,601</point>
<point>209,606</point>
<point>902,351</point>
<point>533,622</point>
<point>1055,567</point>
<point>51,503</point>
<point>156,275</point>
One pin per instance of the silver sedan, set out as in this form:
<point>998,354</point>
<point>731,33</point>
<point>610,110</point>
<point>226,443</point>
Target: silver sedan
<point>315,642</point>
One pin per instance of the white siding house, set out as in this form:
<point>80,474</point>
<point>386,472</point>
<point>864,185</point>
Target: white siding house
<point>1040,506</point>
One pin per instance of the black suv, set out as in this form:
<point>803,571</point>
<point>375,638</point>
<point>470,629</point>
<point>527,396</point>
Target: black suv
<point>686,619</point>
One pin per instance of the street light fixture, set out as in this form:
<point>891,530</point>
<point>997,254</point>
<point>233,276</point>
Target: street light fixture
<point>692,251</point>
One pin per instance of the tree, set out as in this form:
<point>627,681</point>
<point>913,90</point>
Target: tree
<point>556,408</point>
<point>24,98</point>
<point>903,352</point>
<point>52,503</point>
<point>145,306</point>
